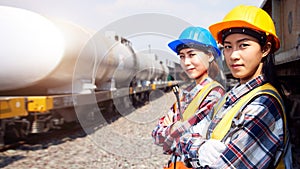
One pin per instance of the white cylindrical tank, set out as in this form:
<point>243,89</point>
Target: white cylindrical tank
<point>157,70</point>
<point>114,60</point>
<point>26,47</point>
<point>41,56</point>
<point>165,72</point>
<point>146,66</point>
<point>149,67</point>
<point>117,60</point>
<point>38,54</point>
<point>75,39</point>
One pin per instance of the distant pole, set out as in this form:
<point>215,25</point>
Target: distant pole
<point>149,46</point>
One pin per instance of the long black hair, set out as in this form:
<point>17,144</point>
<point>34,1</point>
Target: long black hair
<point>270,74</point>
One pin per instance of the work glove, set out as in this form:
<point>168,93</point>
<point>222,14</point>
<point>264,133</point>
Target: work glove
<point>168,118</point>
<point>176,126</point>
<point>210,151</point>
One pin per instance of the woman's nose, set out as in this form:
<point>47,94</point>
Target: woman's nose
<point>187,61</point>
<point>235,55</point>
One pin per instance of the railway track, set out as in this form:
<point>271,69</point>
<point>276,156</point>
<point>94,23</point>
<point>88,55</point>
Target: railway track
<point>66,132</point>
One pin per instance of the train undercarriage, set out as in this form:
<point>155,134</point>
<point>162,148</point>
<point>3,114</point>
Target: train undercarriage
<point>21,116</point>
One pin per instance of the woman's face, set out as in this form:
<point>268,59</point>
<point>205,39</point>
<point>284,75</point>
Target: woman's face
<point>194,62</point>
<point>243,56</point>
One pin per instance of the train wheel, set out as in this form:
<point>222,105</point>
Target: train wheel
<point>15,132</point>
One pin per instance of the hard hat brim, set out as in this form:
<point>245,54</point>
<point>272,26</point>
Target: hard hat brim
<point>218,27</point>
<point>174,44</point>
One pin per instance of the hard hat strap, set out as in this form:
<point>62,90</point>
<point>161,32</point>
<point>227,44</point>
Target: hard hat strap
<point>260,36</point>
<point>203,48</point>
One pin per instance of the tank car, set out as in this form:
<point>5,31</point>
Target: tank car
<point>42,56</point>
<point>49,65</point>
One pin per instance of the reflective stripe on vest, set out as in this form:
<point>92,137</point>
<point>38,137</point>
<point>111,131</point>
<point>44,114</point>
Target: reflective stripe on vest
<point>194,105</point>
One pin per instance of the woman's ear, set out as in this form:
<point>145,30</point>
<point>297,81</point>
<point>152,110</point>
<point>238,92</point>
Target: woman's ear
<point>266,49</point>
<point>211,58</point>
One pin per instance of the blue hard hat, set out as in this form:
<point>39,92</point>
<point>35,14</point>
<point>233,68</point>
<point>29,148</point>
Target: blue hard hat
<point>195,35</point>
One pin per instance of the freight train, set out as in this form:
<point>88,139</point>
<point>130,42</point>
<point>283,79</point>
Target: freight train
<point>50,68</point>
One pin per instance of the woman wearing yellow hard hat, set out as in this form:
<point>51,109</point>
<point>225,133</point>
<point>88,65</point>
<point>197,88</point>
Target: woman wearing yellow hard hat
<point>248,126</point>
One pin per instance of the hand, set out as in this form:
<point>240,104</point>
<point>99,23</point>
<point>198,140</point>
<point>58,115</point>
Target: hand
<point>210,151</point>
<point>190,142</point>
<point>176,125</point>
<point>168,118</point>
<point>173,135</point>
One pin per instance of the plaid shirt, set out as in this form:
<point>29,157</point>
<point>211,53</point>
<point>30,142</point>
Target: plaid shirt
<point>162,133</point>
<point>255,138</point>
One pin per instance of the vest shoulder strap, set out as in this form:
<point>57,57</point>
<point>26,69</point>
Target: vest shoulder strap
<point>198,99</point>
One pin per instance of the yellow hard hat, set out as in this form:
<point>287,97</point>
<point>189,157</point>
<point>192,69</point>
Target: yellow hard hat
<point>247,17</point>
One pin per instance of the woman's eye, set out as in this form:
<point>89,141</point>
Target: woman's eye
<point>227,47</point>
<point>192,55</point>
<point>244,45</point>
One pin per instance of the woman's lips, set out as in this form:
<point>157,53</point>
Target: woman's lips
<point>190,69</point>
<point>236,66</point>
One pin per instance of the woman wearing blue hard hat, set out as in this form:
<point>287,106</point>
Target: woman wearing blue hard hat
<point>198,51</point>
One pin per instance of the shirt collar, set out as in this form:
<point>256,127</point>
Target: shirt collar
<point>241,89</point>
<point>194,88</point>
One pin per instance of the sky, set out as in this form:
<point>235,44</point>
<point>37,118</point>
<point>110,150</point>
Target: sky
<point>98,14</point>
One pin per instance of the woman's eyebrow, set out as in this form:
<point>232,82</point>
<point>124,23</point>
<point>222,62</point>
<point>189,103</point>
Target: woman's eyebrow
<point>244,39</point>
<point>240,40</point>
<point>188,52</point>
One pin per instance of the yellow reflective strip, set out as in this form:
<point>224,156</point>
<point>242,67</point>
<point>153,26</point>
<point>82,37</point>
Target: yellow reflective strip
<point>193,106</point>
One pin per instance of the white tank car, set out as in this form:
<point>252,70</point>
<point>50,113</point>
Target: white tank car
<point>116,61</point>
<point>27,43</point>
<point>117,64</point>
<point>38,54</point>
<point>151,69</point>
<point>42,56</point>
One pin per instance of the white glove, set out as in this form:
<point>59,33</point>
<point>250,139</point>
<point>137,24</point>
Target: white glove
<point>176,125</point>
<point>168,119</point>
<point>210,151</point>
